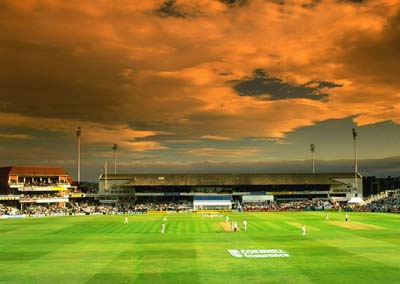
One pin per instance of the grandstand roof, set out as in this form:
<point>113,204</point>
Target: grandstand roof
<point>33,171</point>
<point>227,179</point>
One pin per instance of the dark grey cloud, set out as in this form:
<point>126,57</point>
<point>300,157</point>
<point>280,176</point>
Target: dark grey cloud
<point>49,81</point>
<point>368,167</point>
<point>48,71</point>
<point>39,79</point>
<point>234,2</point>
<point>311,4</point>
<point>279,2</point>
<point>373,55</point>
<point>171,9</point>
<point>353,1</point>
<point>260,83</point>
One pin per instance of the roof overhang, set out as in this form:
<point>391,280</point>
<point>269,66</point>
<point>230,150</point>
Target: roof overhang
<point>355,200</point>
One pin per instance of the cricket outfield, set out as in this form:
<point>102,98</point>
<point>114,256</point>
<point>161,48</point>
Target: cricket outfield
<point>200,249</point>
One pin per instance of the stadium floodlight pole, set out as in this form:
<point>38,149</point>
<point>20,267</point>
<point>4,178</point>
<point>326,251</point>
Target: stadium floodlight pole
<point>355,159</point>
<point>312,149</point>
<point>115,147</point>
<point>105,176</point>
<point>78,136</point>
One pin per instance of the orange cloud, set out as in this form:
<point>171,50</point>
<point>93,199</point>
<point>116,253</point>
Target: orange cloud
<point>146,146</point>
<point>91,132</point>
<point>216,137</point>
<point>16,136</point>
<point>213,152</point>
<point>172,73</point>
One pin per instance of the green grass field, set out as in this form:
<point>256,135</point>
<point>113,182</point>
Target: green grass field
<point>101,249</point>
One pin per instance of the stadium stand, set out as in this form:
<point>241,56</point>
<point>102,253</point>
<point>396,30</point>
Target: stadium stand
<point>311,205</point>
<point>388,201</point>
<point>48,191</point>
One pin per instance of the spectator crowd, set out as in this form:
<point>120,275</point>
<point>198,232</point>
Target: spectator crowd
<point>283,205</point>
<point>385,203</point>
<point>93,208</point>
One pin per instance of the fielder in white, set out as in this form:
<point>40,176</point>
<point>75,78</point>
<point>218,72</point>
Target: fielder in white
<point>235,226</point>
<point>244,225</point>
<point>163,228</point>
<point>303,230</point>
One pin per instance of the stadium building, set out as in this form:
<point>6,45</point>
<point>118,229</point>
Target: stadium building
<point>219,191</point>
<point>34,185</point>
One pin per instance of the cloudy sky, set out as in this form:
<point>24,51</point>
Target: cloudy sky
<point>200,86</point>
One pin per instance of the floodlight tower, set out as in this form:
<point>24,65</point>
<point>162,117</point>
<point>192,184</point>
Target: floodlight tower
<point>78,136</point>
<point>105,176</point>
<point>355,159</point>
<point>312,149</point>
<point>115,148</point>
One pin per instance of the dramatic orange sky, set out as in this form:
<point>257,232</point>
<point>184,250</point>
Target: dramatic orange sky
<point>200,86</point>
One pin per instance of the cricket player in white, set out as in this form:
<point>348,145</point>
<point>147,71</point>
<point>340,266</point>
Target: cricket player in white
<point>227,218</point>
<point>165,219</point>
<point>244,225</point>
<point>326,216</point>
<point>347,217</point>
<point>163,228</point>
<point>303,230</point>
<point>126,220</point>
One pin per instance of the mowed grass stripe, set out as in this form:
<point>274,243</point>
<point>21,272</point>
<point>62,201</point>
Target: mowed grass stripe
<point>270,227</point>
<point>106,228</point>
<point>123,267</point>
<point>204,227</point>
<point>356,244</point>
<point>148,227</point>
<point>154,227</point>
<point>362,256</point>
<point>117,228</point>
<point>347,267</point>
<point>172,226</point>
<point>90,228</point>
<point>256,227</point>
<point>168,263</point>
<point>178,227</point>
<point>297,225</point>
<point>191,227</point>
<point>138,227</point>
<point>269,221</point>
